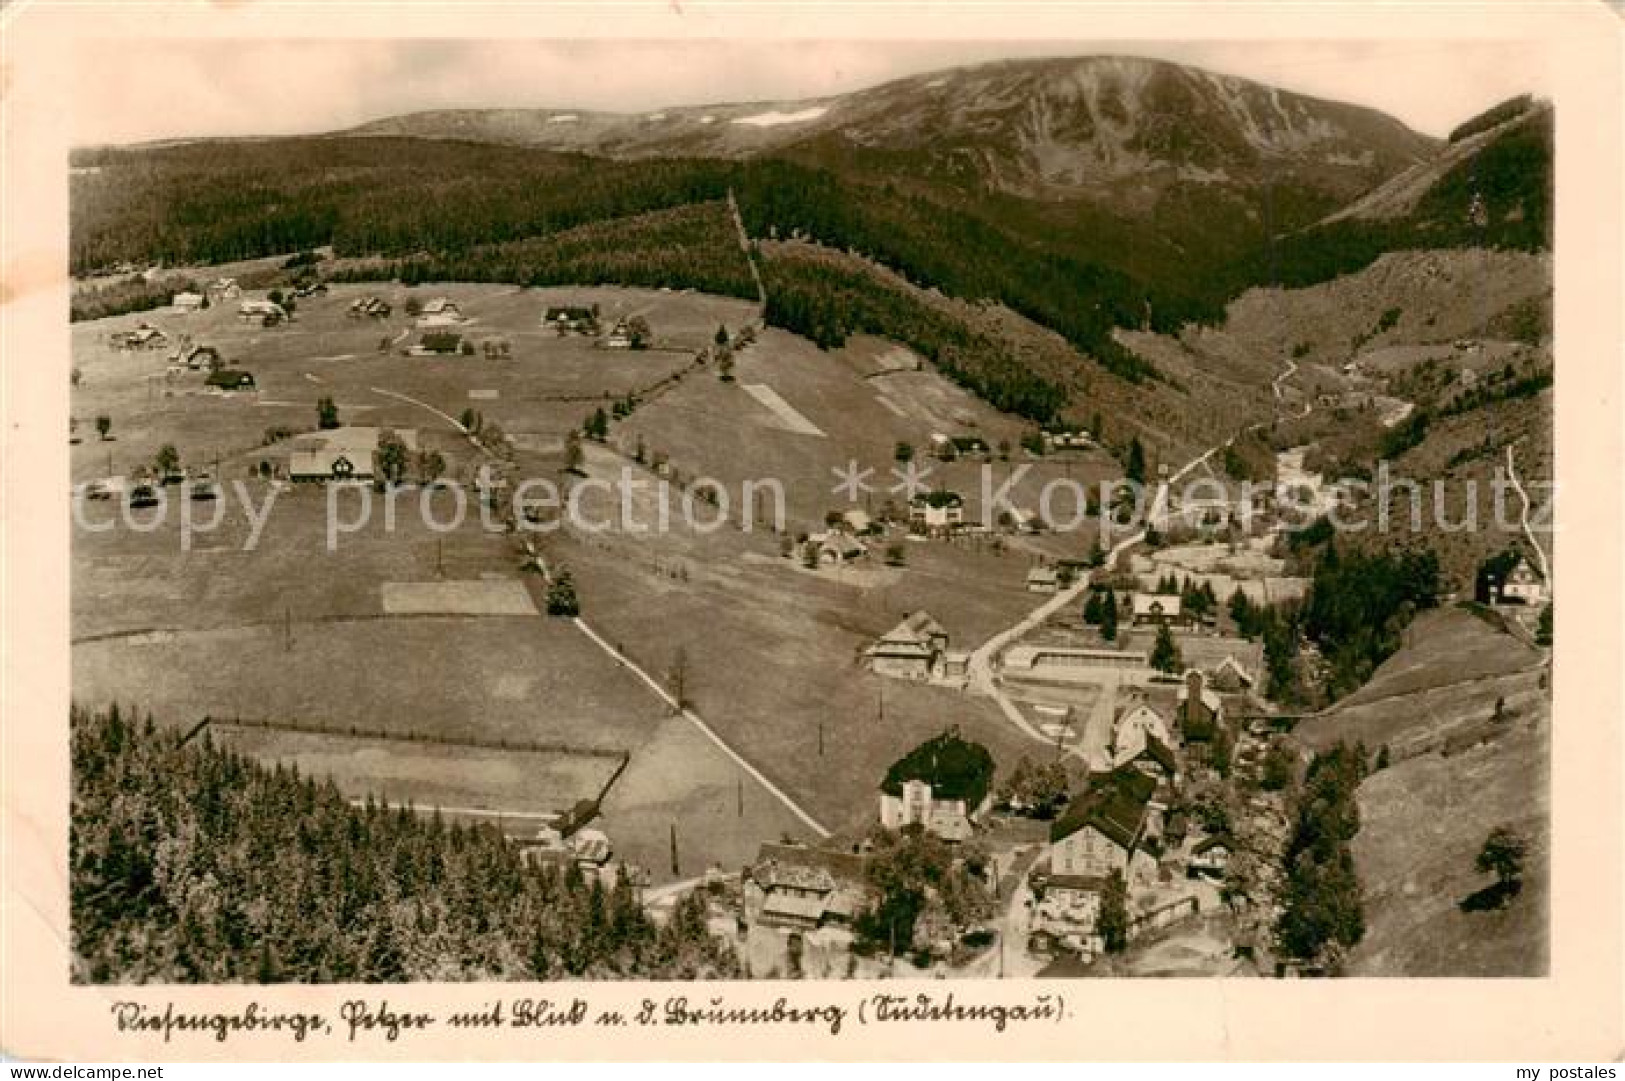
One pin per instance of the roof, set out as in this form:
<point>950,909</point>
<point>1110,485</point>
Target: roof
<point>1523,572</point>
<point>956,769</point>
<point>939,498</point>
<point>803,908</point>
<point>1165,604</point>
<point>1160,753</point>
<point>773,875</point>
<point>439,304</point>
<point>840,865</point>
<point>1043,574</point>
<point>1235,666</point>
<point>1218,840</point>
<point>567,312</point>
<point>1089,883</point>
<point>1114,804</point>
<point>916,629</point>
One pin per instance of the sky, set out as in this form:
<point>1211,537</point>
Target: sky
<point>172,88</point>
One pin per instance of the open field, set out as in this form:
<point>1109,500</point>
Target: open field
<point>520,679</point>
<point>455,775</point>
<point>127,580</point>
<point>413,632</point>
<point>709,428</point>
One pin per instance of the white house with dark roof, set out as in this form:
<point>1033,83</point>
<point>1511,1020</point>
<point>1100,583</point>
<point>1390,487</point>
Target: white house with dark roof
<point>945,786</point>
<point>1524,584</point>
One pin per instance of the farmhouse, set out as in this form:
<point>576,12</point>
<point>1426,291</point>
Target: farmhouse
<point>1157,609</point>
<point>837,547</point>
<point>440,312</point>
<point>187,302</point>
<point>567,318</point>
<point>196,357</point>
<point>1230,675</point>
<point>1134,730</point>
<point>911,650</point>
<point>944,785</point>
<point>225,289</point>
<point>340,454</point>
<point>1211,857</point>
<point>937,512</point>
<point>619,337</point>
<point>798,888</point>
<point>230,379</point>
<point>145,336</point>
<point>266,312</point>
<point>1524,585</point>
<point>857,521</point>
<point>369,307</point>
<point>1043,580</point>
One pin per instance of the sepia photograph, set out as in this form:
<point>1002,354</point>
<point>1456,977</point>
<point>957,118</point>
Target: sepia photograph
<point>782,533</point>
<point>599,510</point>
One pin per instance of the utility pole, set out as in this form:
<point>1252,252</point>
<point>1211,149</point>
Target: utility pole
<point>820,737</point>
<point>675,869</point>
<point>287,629</point>
<point>741,794</point>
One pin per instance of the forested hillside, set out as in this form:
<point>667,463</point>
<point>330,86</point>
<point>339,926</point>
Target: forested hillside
<point>194,864</point>
<point>1030,218</point>
<point>691,246</point>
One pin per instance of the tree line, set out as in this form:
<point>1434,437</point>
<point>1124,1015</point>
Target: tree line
<point>192,863</point>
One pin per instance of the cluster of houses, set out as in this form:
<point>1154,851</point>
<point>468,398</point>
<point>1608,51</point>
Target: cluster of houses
<point>1124,822</point>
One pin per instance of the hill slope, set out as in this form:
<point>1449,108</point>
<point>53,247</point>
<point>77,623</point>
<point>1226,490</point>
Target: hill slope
<point>1457,773</point>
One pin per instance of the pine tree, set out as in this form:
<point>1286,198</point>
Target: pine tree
<point>561,596</point>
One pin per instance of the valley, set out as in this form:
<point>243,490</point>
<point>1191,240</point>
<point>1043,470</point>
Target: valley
<point>843,549</point>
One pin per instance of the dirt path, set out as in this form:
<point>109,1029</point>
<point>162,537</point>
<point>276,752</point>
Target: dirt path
<point>744,246</point>
<point>447,417</point>
<point>1523,516</point>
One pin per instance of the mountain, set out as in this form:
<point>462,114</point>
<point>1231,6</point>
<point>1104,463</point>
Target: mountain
<point>1122,127</point>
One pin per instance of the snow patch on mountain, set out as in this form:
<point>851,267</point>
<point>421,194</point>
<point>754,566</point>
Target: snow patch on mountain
<point>774,118</point>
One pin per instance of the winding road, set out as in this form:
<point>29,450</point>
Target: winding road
<point>1523,516</point>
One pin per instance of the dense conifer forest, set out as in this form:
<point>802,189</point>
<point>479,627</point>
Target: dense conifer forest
<point>191,863</point>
